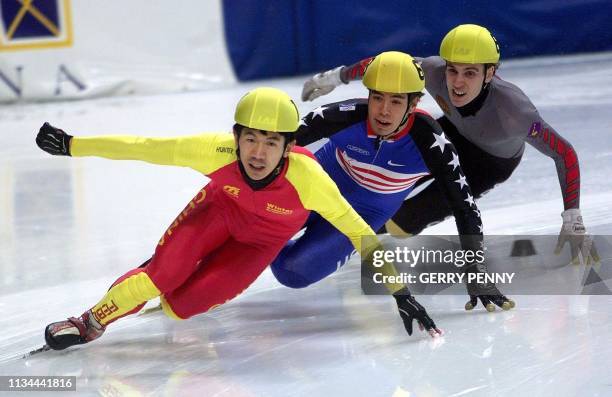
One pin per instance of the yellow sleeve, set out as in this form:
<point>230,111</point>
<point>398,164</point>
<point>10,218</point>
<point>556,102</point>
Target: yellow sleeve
<point>318,192</point>
<point>203,152</point>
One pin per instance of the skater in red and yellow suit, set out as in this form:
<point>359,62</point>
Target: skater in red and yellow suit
<point>261,192</point>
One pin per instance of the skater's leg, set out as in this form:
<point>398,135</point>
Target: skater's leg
<point>221,277</point>
<point>319,252</point>
<point>195,233</point>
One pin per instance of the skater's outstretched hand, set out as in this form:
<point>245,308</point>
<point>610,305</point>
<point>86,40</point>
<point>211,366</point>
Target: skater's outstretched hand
<point>53,140</point>
<point>321,84</point>
<point>574,232</point>
<point>410,309</point>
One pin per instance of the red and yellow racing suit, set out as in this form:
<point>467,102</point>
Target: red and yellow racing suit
<point>228,233</point>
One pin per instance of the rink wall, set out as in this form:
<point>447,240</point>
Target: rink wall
<point>67,49</point>
<point>269,38</point>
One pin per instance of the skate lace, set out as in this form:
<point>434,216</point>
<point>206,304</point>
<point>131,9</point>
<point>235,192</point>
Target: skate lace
<point>87,328</point>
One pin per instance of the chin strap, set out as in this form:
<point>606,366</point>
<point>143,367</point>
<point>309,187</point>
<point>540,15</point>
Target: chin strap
<point>268,179</point>
<point>404,120</point>
<point>400,125</point>
<point>406,114</point>
<point>261,183</point>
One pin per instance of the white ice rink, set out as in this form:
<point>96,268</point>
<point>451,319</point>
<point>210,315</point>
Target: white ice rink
<point>69,227</point>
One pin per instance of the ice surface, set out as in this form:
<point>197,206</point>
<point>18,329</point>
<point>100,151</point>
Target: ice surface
<point>69,227</point>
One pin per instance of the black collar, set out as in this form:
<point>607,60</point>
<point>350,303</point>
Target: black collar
<point>261,183</point>
<point>476,104</point>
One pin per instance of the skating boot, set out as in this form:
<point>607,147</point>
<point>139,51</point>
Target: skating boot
<point>73,331</point>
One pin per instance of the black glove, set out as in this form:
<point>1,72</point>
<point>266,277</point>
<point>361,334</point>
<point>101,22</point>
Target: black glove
<point>410,309</point>
<point>486,292</point>
<point>53,140</point>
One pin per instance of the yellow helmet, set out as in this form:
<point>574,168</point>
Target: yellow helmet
<point>267,109</point>
<point>394,72</point>
<point>469,44</point>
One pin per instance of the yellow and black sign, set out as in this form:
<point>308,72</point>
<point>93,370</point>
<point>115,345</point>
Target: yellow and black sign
<point>34,24</point>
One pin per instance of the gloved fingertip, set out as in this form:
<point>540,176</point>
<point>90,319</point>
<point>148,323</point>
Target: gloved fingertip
<point>469,306</point>
<point>408,326</point>
<point>506,306</point>
<point>490,307</point>
<point>434,332</point>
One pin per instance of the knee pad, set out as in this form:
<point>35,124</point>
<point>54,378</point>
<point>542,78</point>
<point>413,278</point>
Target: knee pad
<point>288,278</point>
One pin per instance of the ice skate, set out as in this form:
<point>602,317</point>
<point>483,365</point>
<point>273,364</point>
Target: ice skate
<point>73,331</point>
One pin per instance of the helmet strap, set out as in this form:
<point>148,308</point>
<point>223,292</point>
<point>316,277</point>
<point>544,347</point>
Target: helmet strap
<point>257,184</point>
<point>411,97</point>
<point>261,183</point>
<point>484,79</point>
<point>404,119</point>
<point>486,67</point>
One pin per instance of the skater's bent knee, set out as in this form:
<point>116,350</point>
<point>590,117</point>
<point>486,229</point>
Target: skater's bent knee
<point>168,309</point>
<point>290,279</point>
<point>399,231</point>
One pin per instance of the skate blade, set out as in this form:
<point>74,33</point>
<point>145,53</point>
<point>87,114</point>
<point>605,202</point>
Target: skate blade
<point>151,310</point>
<point>39,350</point>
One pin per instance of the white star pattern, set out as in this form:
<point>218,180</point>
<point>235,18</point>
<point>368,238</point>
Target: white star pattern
<point>455,161</point>
<point>318,112</point>
<point>440,142</point>
<point>477,212</point>
<point>461,181</point>
<point>303,122</point>
<point>469,199</point>
<point>480,228</point>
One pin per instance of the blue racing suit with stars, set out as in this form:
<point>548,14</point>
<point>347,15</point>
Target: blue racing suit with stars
<point>375,175</point>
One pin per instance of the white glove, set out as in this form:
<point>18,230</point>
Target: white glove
<point>574,232</point>
<point>321,84</point>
